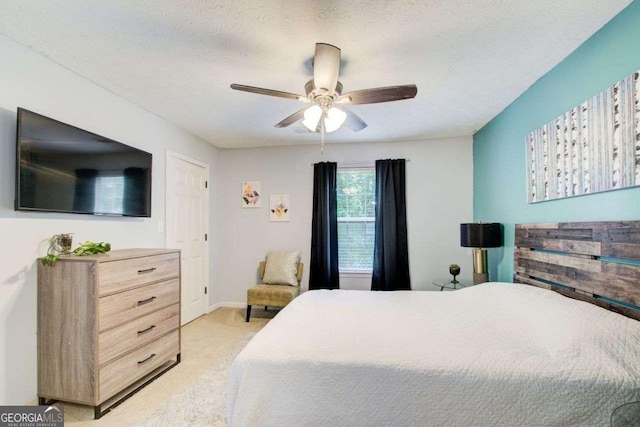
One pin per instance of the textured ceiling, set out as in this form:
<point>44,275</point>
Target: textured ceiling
<point>177,58</point>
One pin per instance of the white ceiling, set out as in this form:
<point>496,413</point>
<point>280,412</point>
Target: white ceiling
<point>177,58</point>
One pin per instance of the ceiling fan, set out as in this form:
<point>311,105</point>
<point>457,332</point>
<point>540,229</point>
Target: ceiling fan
<point>324,92</point>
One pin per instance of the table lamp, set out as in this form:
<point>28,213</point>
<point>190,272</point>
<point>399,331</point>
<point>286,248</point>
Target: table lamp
<point>480,235</point>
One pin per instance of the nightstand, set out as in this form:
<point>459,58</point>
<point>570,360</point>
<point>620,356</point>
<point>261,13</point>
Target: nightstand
<point>449,285</point>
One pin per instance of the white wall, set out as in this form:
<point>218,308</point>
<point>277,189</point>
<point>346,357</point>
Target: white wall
<point>31,81</point>
<point>439,198</point>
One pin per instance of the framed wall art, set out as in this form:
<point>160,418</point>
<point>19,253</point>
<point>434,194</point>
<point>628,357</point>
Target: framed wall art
<point>251,194</point>
<point>279,207</point>
<point>593,147</point>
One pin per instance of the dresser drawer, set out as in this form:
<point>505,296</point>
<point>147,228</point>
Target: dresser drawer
<point>121,372</point>
<point>123,307</point>
<point>128,273</point>
<point>121,339</point>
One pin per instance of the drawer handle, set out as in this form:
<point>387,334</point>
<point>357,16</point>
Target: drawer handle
<point>146,330</point>
<point>146,301</point>
<point>147,359</point>
<point>148,270</point>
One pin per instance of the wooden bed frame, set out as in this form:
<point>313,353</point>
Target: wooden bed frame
<point>597,262</point>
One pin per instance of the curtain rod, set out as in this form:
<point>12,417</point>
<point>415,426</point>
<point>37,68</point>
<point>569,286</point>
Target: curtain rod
<point>360,163</point>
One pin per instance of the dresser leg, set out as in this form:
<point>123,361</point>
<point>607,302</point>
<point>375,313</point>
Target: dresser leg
<point>97,412</point>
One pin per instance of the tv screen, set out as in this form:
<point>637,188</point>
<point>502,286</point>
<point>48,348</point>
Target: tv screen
<point>61,168</point>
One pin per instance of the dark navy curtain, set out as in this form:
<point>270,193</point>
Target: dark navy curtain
<point>84,196</point>
<point>390,253</point>
<point>323,272</point>
<point>136,200</point>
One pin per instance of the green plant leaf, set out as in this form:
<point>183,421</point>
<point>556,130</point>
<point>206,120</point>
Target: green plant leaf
<point>86,248</point>
<point>50,259</point>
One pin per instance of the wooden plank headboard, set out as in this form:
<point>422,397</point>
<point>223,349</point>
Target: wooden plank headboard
<point>568,258</point>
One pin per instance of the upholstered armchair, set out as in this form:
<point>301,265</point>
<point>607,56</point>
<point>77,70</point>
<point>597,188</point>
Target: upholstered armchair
<point>280,275</point>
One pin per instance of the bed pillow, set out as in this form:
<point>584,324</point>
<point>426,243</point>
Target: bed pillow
<point>281,268</point>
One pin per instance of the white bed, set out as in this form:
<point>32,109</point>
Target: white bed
<point>492,354</point>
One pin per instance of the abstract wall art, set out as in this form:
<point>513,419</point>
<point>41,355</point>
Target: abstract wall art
<point>279,207</point>
<point>251,193</point>
<point>593,147</point>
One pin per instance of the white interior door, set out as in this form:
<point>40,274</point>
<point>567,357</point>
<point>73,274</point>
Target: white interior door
<point>187,219</point>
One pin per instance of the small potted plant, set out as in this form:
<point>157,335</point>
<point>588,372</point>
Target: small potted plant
<point>63,242</point>
<point>60,244</point>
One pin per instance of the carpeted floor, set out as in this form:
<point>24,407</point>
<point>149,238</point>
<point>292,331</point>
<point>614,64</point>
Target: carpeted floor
<point>201,403</point>
<point>192,393</point>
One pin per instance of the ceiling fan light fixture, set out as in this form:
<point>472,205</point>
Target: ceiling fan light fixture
<point>324,93</point>
<point>312,117</point>
<point>334,119</point>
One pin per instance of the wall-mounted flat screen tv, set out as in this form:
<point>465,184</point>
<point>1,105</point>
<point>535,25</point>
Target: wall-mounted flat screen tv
<point>61,168</point>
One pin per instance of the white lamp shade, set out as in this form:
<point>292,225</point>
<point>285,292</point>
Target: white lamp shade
<point>312,117</point>
<point>334,119</point>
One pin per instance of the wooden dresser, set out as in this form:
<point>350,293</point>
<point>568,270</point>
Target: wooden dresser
<point>107,325</point>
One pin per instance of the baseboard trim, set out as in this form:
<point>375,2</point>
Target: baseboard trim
<point>227,304</point>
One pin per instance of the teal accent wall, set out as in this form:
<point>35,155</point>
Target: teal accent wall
<point>499,168</point>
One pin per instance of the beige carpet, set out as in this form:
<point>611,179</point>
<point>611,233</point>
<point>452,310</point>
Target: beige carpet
<point>203,401</point>
<point>209,344</point>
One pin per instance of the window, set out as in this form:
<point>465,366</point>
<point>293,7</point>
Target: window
<point>109,194</point>
<point>356,219</point>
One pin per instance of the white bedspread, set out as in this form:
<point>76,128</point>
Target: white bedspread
<point>493,354</point>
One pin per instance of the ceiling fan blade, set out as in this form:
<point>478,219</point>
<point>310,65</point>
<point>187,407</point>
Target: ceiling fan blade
<point>352,121</point>
<point>269,92</point>
<point>298,115</point>
<point>326,66</point>
<point>380,94</point>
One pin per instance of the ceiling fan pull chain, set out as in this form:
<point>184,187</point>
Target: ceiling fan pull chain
<point>322,136</point>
